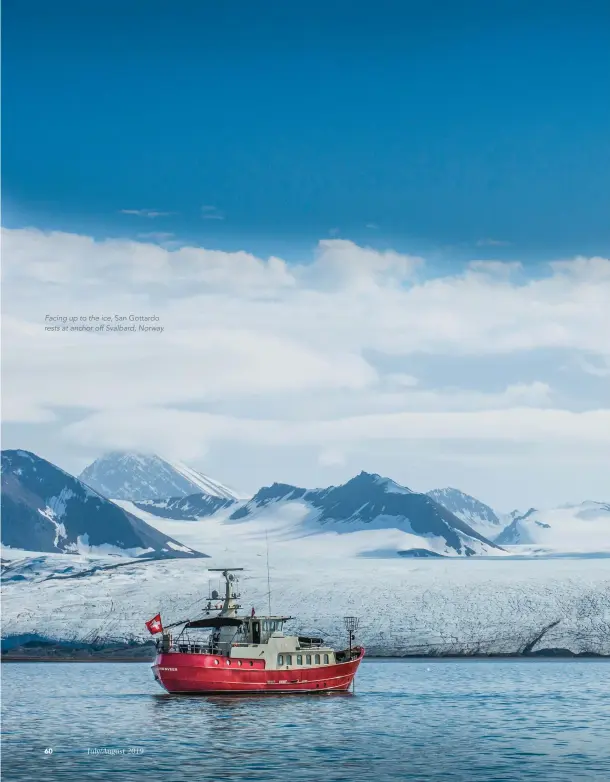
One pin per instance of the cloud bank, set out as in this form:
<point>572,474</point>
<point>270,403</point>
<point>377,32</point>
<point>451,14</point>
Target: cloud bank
<point>342,351</point>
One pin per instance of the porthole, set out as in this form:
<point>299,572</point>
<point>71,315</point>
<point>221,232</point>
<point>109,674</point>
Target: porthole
<point>239,662</point>
<point>215,662</point>
<point>228,662</point>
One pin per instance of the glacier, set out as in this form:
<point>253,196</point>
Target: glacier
<point>482,605</point>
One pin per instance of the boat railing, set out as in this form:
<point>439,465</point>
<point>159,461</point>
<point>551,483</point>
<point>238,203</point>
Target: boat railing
<point>184,647</point>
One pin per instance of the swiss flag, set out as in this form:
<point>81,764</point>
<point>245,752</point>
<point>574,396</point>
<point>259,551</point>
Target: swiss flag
<point>154,625</point>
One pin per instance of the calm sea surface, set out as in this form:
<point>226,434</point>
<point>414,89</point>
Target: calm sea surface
<point>424,720</point>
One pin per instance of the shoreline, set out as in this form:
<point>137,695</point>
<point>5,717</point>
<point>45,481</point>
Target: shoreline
<point>549,656</point>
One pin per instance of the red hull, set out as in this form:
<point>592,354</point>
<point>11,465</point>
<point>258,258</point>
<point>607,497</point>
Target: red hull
<point>207,673</point>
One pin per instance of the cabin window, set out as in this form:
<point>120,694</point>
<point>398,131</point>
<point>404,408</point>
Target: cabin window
<point>272,626</point>
<point>288,659</point>
<point>280,659</point>
<point>308,659</point>
<point>317,659</point>
<point>265,626</point>
<point>325,659</point>
<point>299,659</point>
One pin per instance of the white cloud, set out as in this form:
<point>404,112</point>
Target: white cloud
<point>400,380</point>
<point>156,236</point>
<point>492,243</point>
<point>391,396</point>
<point>145,212</point>
<point>16,407</point>
<point>518,424</point>
<point>211,213</point>
<point>503,269</point>
<point>194,365</point>
<point>331,457</point>
<point>343,265</point>
<point>600,369</point>
<point>119,267</point>
<point>584,269</point>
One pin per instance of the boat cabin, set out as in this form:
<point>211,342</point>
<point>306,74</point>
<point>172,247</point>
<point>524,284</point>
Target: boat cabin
<point>250,637</point>
<point>259,629</point>
<point>226,632</point>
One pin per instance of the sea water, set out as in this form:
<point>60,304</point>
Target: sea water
<point>407,720</point>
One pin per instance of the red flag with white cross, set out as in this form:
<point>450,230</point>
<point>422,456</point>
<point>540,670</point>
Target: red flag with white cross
<point>154,625</point>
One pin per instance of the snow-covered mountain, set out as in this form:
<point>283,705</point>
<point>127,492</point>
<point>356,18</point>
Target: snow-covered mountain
<point>137,477</point>
<point>507,518</point>
<point>518,529</point>
<point>583,528</point>
<point>475,513</point>
<point>195,506</point>
<point>365,503</point>
<point>46,509</point>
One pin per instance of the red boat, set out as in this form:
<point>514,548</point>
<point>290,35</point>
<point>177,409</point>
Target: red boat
<point>249,654</point>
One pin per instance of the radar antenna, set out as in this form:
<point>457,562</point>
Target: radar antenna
<point>231,589</point>
<point>351,625</point>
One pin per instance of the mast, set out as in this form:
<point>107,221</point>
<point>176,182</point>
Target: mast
<point>229,606</point>
<point>268,575</point>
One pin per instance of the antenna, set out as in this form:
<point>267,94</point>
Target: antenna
<point>351,625</point>
<point>224,569</point>
<point>268,576</point>
<point>231,591</point>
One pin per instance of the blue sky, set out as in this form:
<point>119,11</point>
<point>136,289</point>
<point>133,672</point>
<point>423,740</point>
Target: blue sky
<point>442,125</point>
<point>377,237</point>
